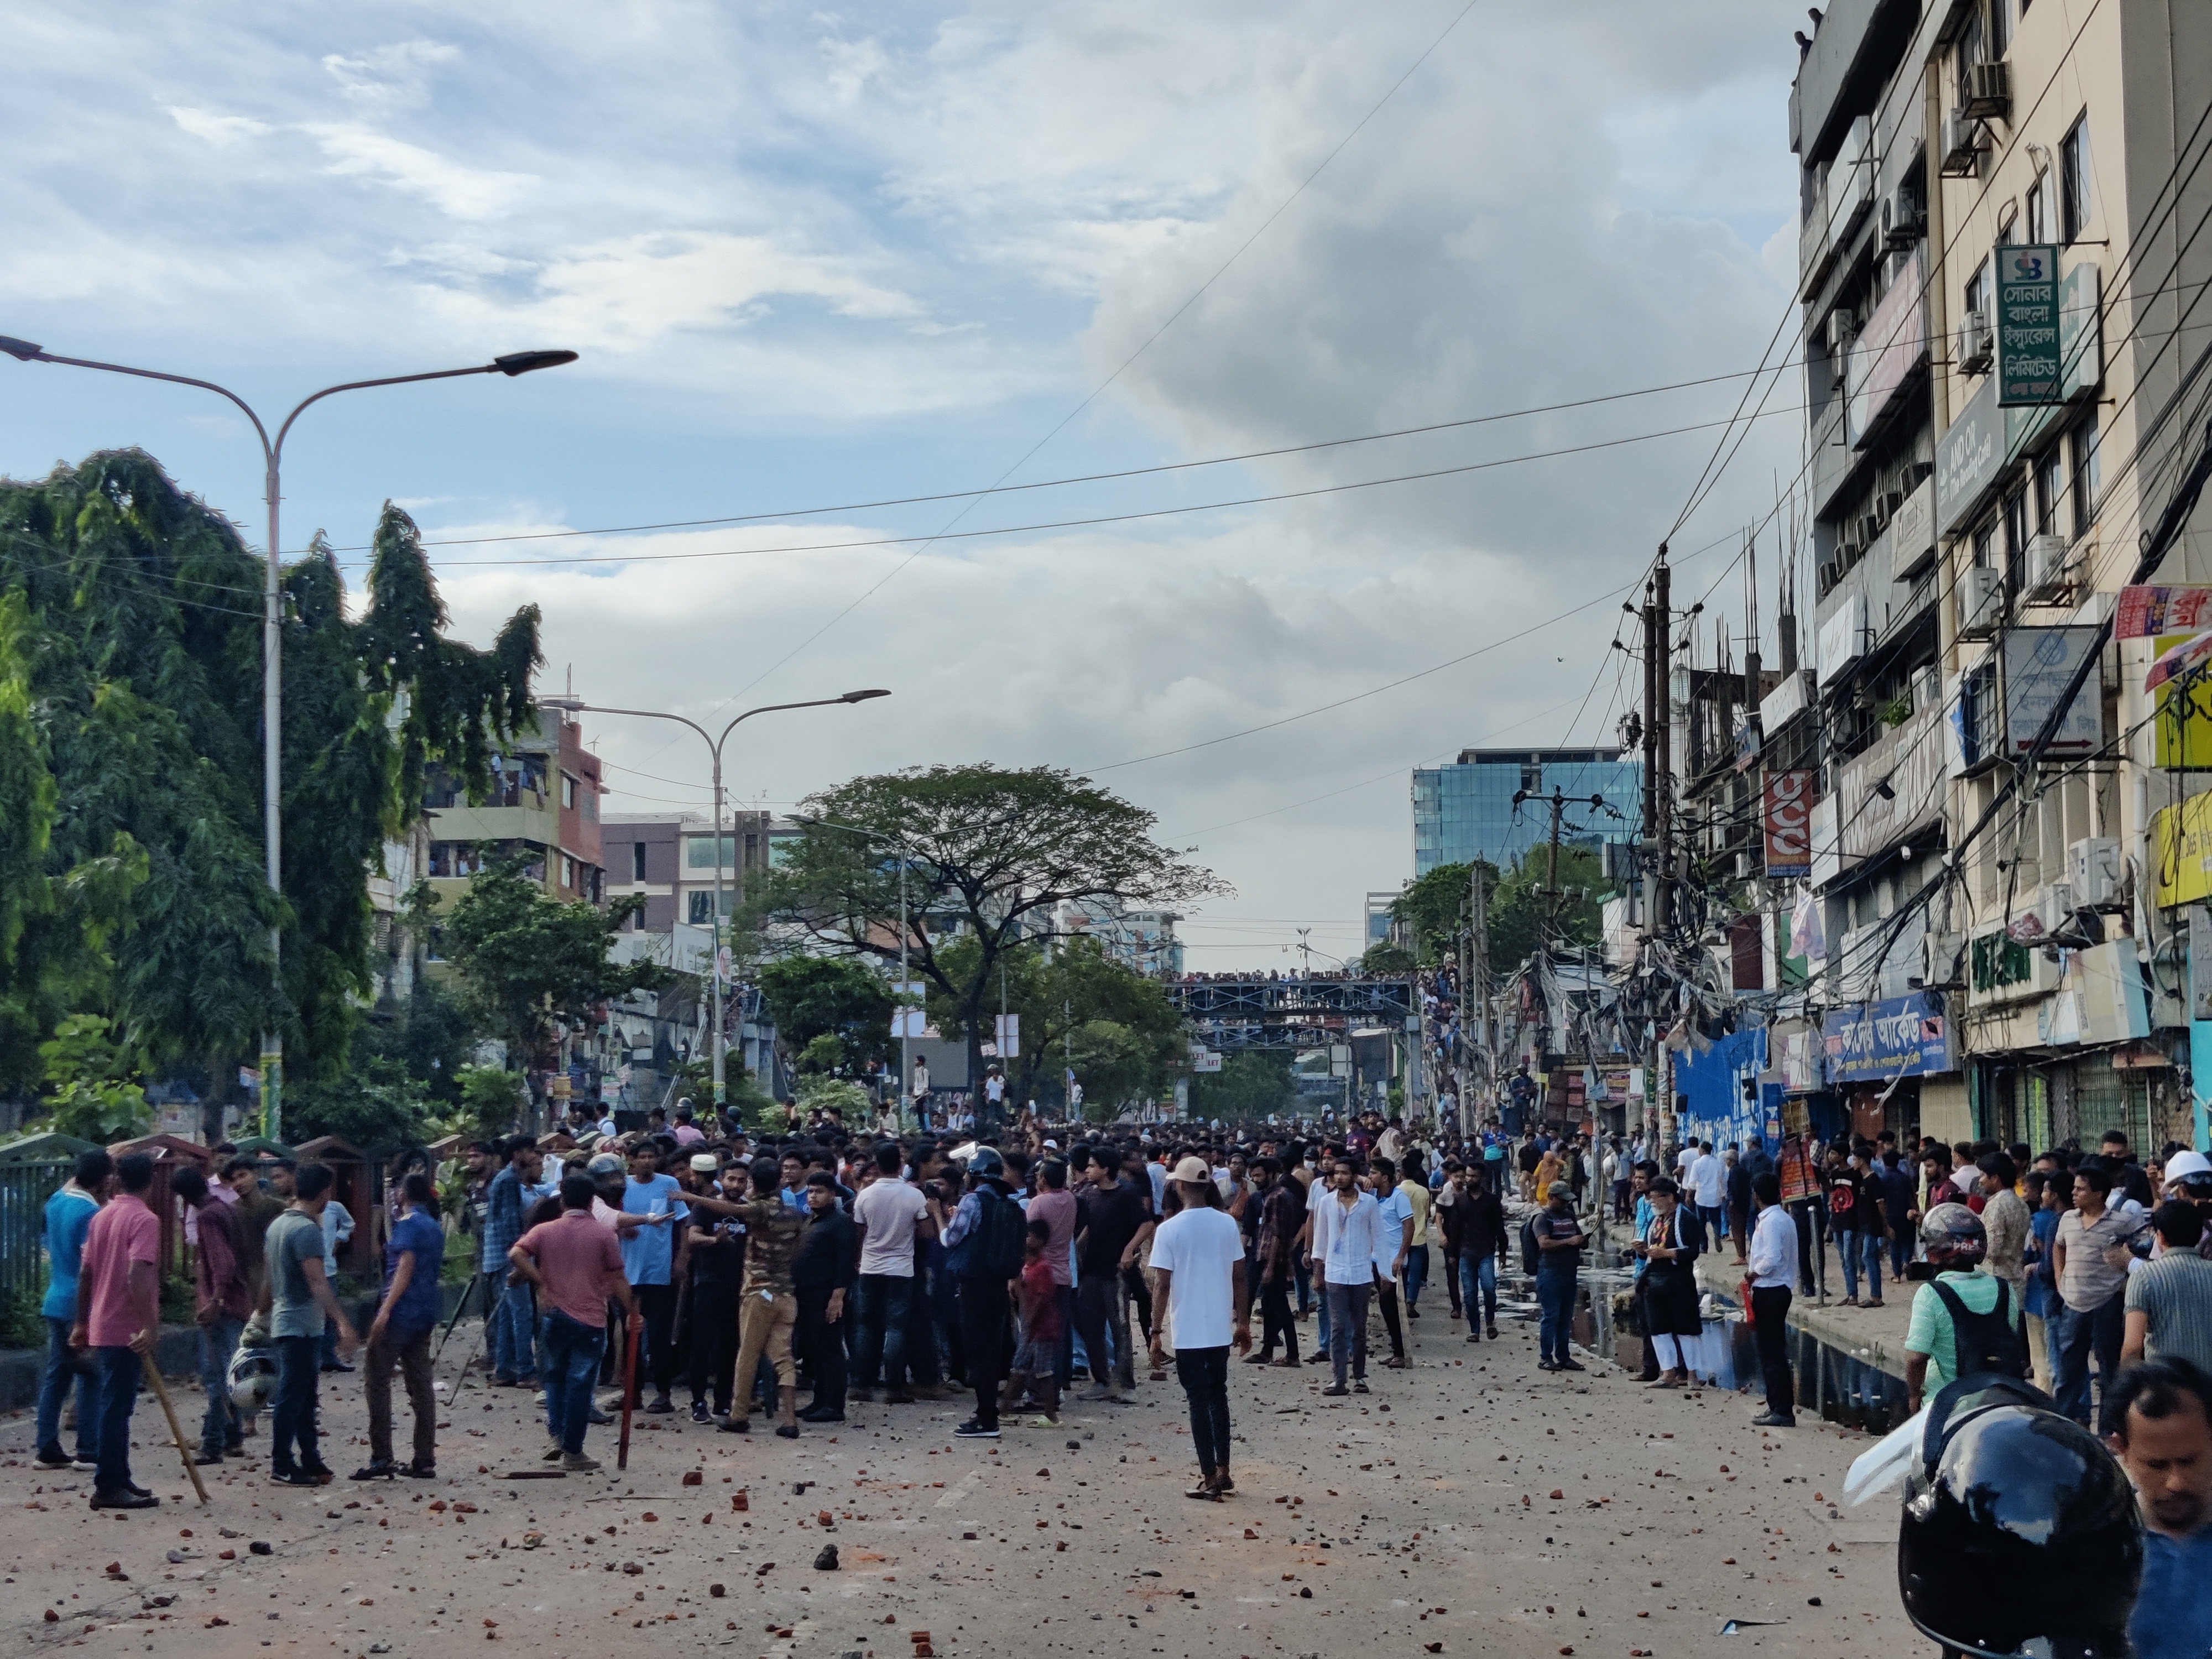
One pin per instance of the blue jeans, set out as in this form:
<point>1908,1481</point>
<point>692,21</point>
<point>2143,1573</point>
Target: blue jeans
<point>1860,1252</point>
<point>119,1392</point>
<point>292,1444</point>
<point>1900,1249</point>
<point>1478,1278</point>
<point>1555,1297</point>
<point>883,1303</point>
<point>1347,1332</point>
<point>62,1364</point>
<point>569,1367</point>
<point>1416,1273</point>
<point>220,1430</point>
<point>2074,1335</point>
<point>513,1320</point>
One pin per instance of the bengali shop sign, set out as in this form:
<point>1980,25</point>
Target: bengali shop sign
<point>1895,1036</point>
<point>2144,613</point>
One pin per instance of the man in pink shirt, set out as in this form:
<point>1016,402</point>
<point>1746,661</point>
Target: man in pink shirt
<point>576,1266</point>
<point>1054,1206</point>
<point>118,1313</point>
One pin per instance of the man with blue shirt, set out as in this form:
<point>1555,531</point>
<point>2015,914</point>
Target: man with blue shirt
<point>507,1203</point>
<point>2159,1424</point>
<point>401,1332</point>
<point>648,1256</point>
<point>69,1215</point>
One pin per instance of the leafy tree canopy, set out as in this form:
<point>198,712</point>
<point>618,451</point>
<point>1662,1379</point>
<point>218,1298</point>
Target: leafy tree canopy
<point>1517,919</point>
<point>1249,1085</point>
<point>1434,907</point>
<point>995,854</point>
<point>1076,987</point>
<point>836,1009</point>
<point>131,855</point>
<point>524,959</point>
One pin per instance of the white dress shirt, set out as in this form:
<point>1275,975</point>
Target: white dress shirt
<point>1344,1240</point>
<point>1772,1259</point>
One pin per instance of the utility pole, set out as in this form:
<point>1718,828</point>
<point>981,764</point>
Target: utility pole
<point>1475,1019</point>
<point>1558,802</point>
<point>1659,816</point>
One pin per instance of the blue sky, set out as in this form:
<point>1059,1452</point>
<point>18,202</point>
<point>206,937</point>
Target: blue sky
<point>819,257</point>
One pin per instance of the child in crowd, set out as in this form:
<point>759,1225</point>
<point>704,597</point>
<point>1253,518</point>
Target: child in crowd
<point>1036,1360</point>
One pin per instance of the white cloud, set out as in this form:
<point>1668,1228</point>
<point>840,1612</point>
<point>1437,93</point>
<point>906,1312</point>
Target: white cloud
<point>390,76</point>
<point>881,252</point>
<point>215,129</point>
<point>459,191</point>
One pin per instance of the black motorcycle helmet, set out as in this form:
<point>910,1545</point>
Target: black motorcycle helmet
<point>2021,1535</point>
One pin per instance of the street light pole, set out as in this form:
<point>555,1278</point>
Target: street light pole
<point>714,752</point>
<point>272,621</point>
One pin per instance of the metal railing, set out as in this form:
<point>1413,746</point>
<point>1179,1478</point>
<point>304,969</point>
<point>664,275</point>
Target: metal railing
<point>24,1189</point>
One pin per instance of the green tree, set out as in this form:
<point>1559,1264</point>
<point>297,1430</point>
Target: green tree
<point>1434,907</point>
<point>1387,961</point>
<point>130,689</point>
<point>98,1095</point>
<point>1525,915</point>
<point>375,1104</point>
<point>1057,993</point>
<point>996,853</point>
<point>832,1012</point>
<point>524,959</point>
<point>1249,1085</point>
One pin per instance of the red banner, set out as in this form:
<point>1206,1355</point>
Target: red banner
<point>1787,817</point>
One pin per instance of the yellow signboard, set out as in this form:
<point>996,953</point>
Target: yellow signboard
<point>2184,715</point>
<point>2182,839</point>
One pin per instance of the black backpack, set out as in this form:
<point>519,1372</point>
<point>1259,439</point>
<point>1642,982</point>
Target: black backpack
<point>1000,1248</point>
<point>1985,1342</point>
<point>1530,1254</point>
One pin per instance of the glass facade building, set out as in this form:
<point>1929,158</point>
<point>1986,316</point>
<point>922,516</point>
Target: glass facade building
<point>1466,811</point>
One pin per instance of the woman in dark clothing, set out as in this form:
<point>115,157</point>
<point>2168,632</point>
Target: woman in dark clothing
<point>1669,1247</point>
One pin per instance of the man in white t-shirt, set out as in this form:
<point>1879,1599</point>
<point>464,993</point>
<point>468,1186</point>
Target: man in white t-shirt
<point>892,1214</point>
<point>1200,1286</point>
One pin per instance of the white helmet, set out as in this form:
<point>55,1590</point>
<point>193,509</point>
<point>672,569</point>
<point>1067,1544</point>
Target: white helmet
<point>2187,1166</point>
<point>253,1378</point>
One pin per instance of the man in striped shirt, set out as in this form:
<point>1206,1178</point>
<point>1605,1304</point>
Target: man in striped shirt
<point>2169,1300</point>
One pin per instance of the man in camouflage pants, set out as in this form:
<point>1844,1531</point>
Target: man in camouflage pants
<point>768,1306</point>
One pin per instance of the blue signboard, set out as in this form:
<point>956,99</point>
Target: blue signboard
<point>1710,1100</point>
<point>1896,1037</point>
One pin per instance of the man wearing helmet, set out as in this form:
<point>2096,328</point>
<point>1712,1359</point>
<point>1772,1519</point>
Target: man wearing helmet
<point>1964,1320</point>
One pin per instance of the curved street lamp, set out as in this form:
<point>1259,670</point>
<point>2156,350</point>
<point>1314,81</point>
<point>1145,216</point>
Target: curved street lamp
<point>714,750</point>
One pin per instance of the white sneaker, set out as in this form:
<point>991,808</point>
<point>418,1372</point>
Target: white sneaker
<point>577,1463</point>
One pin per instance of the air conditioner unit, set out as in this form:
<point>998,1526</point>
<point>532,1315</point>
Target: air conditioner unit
<point>2093,870</point>
<point>1976,345</point>
<point>1981,602</point>
<point>1832,572</point>
<point>1939,958</point>
<point>1869,528</point>
<point>1888,503</point>
<point>2056,908</point>
<point>1988,93</point>
<point>1904,219</point>
<point>2046,565</point>
<point>1962,145</point>
<point>1842,328</point>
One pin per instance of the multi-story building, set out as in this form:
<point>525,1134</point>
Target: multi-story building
<point>544,805</point>
<point>670,860</point>
<point>1467,810</point>
<point>1997,265</point>
<point>1142,940</point>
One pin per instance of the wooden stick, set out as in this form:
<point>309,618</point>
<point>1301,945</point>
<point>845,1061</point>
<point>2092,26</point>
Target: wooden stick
<point>176,1429</point>
<point>629,1385</point>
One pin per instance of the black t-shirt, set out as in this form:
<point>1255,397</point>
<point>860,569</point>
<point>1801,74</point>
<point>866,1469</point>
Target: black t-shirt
<point>1111,1216</point>
<point>722,1262</point>
<point>1855,1203</point>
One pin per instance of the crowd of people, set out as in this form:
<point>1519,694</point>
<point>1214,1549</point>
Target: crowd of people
<point>781,1281</point>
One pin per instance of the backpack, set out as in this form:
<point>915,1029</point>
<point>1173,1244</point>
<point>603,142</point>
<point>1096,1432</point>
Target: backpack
<point>1985,1342</point>
<point>1530,1254</point>
<point>999,1248</point>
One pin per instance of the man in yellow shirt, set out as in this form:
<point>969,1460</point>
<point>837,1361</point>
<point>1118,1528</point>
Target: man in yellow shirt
<point>1414,1186</point>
